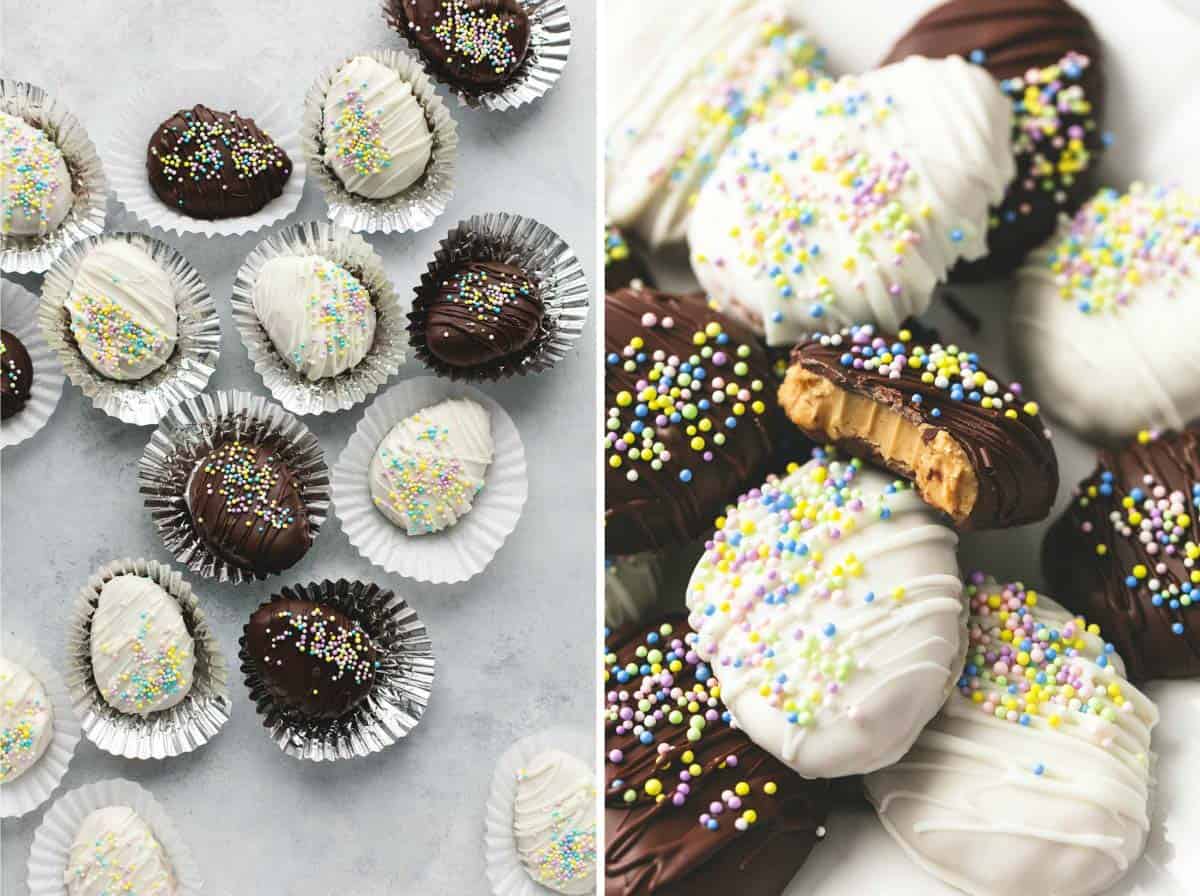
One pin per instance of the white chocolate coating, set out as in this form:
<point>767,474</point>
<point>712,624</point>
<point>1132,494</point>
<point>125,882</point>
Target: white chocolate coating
<point>554,822</point>
<point>426,472</point>
<point>1130,362</point>
<point>995,807</point>
<point>377,140</point>
<point>116,852</point>
<point>35,186</point>
<point>319,316</point>
<point>850,205</point>
<point>821,660</point>
<point>142,652</point>
<point>123,313</point>
<point>26,720</point>
<point>673,113</point>
<point>631,587</point>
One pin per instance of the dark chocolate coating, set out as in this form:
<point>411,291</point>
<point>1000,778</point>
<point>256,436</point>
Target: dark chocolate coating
<point>484,312</point>
<point>1014,37</point>
<point>1013,459</point>
<point>17,377</point>
<point>623,264</point>
<point>653,846</point>
<point>475,45</point>
<point>210,165</point>
<point>312,658</point>
<point>1097,585</point>
<point>660,509</point>
<point>245,504</point>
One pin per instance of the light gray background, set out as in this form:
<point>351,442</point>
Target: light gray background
<point>514,645</point>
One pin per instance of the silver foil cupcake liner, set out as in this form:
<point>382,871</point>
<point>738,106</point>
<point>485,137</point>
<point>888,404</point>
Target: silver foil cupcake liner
<point>549,48</point>
<point>186,372</point>
<point>544,257</point>
<point>187,434</point>
<point>18,315</point>
<point>413,209</point>
<point>397,699</point>
<point>387,353</point>
<point>169,732</point>
<point>52,842</point>
<point>31,254</point>
<point>152,101</point>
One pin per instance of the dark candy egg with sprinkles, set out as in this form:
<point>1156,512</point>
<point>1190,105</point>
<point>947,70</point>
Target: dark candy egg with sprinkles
<point>312,657</point>
<point>1047,58</point>
<point>691,804</point>
<point>210,165</point>
<point>484,312</point>
<point>975,447</point>
<point>689,420</point>
<point>475,45</point>
<point>1126,552</point>
<point>245,505</point>
<point>623,265</point>
<point>17,378</point>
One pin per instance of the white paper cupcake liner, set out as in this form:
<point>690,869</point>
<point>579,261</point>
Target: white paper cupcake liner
<point>398,696</point>
<point>154,100</point>
<point>18,315</point>
<point>454,554</point>
<point>52,843</point>
<point>24,255</point>
<point>387,353</point>
<point>184,374</point>
<point>187,434</point>
<point>549,48</point>
<point>169,732</point>
<point>41,779</point>
<point>505,872</point>
<point>544,257</point>
<point>415,208</point>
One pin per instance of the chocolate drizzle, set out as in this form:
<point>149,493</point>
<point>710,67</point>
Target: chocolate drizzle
<point>210,165</point>
<point>653,845</point>
<point>475,45</point>
<point>484,313</point>
<point>1008,447</point>
<point>1011,39</point>
<point>1098,565</point>
<point>16,375</point>
<point>680,501</point>
<point>245,505</point>
<point>312,657</point>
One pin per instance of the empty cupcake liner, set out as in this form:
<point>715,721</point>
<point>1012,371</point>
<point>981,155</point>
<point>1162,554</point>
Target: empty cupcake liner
<point>397,699</point>
<point>454,554</point>
<point>18,315</point>
<point>544,257</point>
<point>24,255</point>
<point>549,48</point>
<point>41,779</point>
<point>184,374</point>
<point>287,385</point>
<point>187,434</point>
<point>51,851</point>
<point>505,872</point>
<point>169,732</point>
<point>415,208</point>
<point>155,100</point>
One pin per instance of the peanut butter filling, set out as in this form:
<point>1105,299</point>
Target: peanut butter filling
<point>943,475</point>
